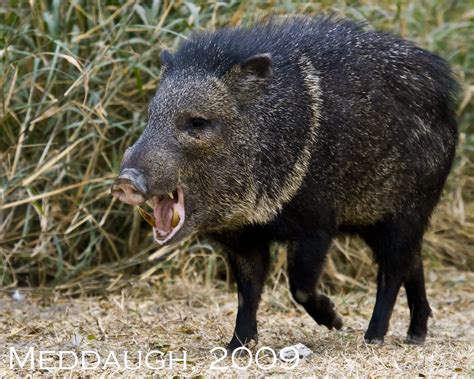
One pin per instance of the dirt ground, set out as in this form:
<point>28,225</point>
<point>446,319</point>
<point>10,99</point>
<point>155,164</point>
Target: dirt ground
<point>188,317</point>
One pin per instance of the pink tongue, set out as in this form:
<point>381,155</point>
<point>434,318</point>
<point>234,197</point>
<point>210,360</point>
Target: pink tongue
<point>163,213</point>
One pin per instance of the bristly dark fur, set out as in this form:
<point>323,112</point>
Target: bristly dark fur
<point>318,127</point>
<point>333,43</point>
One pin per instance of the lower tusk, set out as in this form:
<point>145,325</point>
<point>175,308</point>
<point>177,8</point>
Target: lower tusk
<point>146,216</point>
<point>175,219</point>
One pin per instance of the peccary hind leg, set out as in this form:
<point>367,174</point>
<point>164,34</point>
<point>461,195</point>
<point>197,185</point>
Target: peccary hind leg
<point>397,250</point>
<point>305,262</point>
<point>418,303</point>
<point>249,265</point>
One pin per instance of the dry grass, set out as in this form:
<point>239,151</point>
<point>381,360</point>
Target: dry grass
<point>195,317</point>
<point>76,79</point>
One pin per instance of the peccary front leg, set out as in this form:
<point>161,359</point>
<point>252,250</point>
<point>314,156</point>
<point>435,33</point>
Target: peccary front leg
<point>388,285</point>
<point>249,265</point>
<point>306,258</point>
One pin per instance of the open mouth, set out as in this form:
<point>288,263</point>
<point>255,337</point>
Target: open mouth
<point>168,215</point>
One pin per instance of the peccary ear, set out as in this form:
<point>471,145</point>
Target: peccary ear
<point>166,59</point>
<point>259,65</point>
<point>247,79</point>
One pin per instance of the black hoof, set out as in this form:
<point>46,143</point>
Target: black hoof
<point>337,323</point>
<point>325,314</point>
<point>235,343</point>
<point>415,340</point>
<point>373,340</point>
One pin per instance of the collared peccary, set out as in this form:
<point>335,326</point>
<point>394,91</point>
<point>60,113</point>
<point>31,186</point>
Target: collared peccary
<point>295,131</point>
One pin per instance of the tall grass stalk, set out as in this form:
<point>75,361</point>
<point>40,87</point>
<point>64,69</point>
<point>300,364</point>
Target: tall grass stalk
<point>76,78</point>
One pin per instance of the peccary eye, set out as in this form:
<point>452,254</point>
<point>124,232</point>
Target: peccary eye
<point>198,122</point>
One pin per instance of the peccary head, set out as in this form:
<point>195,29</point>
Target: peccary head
<point>195,159</point>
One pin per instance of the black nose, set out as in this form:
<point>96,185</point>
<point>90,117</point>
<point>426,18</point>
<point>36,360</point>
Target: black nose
<point>130,187</point>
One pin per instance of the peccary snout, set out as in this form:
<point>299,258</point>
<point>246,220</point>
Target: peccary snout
<point>130,187</point>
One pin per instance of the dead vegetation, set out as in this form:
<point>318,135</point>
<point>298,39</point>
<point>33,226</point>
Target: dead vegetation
<point>194,317</point>
<point>75,86</point>
<point>76,80</point>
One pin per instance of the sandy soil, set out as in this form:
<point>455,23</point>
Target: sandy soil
<point>192,318</point>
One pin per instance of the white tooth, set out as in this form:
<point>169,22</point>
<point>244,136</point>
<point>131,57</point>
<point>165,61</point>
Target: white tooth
<point>170,194</point>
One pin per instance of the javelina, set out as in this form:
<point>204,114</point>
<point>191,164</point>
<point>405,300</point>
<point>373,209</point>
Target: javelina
<point>296,131</point>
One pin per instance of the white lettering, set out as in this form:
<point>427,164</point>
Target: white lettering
<point>108,359</point>
<point>84,363</point>
<point>158,353</point>
<point>29,355</point>
<point>61,360</point>
<point>183,360</point>
<point>43,359</point>
<point>125,361</point>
